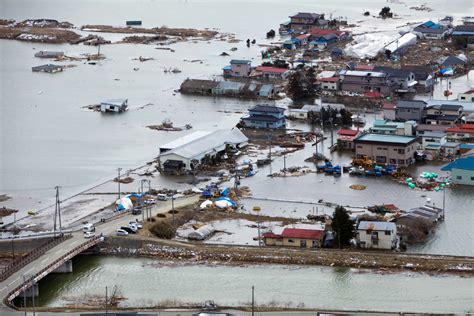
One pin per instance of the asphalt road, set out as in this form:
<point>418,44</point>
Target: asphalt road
<point>57,252</point>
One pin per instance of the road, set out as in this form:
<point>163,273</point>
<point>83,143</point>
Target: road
<point>57,252</point>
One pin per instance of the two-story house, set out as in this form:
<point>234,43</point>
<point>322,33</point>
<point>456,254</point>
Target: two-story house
<point>443,114</point>
<point>403,80</point>
<point>304,21</point>
<point>265,116</point>
<point>410,110</point>
<point>238,68</point>
<point>461,133</point>
<point>467,96</point>
<point>393,128</point>
<point>394,150</point>
<point>424,77</point>
<point>431,30</point>
<point>377,235</point>
<point>364,81</point>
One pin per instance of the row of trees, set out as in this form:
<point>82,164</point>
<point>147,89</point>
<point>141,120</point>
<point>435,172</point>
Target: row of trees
<point>301,84</point>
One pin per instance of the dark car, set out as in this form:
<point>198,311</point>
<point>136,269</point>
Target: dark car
<point>128,230</point>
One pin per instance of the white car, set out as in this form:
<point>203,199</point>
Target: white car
<point>136,224</point>
<point>88,228</point>
<point>89,234</point>
<point>133,227</point>
<point>121,232</point>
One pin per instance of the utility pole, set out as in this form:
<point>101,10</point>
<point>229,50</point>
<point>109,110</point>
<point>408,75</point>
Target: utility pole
<point>332,131</point>
<point>118,181</point>
<point>284,164</point>
<point>253,300</point>
<point>24,294</point>
<point>106,299</point>
<point>444,198</point>
<point>270,153</point>
<point>13,235</point>
<point>57,212</point>
<point>172,208</point>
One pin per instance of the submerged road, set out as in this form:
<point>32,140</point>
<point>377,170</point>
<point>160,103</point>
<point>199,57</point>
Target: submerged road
<point>58,252</point>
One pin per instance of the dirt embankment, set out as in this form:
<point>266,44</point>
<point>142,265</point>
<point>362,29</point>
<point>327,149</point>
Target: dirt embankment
<point>55,32</point>
<point>236,255</point>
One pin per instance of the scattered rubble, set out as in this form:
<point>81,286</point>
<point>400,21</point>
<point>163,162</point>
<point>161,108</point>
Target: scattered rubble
<point>167,126</point>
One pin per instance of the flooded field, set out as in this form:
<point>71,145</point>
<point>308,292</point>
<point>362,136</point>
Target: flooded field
<point>148,282</point>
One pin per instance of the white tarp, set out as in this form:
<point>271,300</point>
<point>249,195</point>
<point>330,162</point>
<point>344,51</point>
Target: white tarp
<point>124,204</point>
<point>206,204</point>
<point>408,39</point>
<point>371,44</point>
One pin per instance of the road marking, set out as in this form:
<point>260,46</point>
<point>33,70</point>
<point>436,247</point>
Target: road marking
<point>74,242</point>
<point>58,251</point>
<point>27,272</point>
<point>13,281</point>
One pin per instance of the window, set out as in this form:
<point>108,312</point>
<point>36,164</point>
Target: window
<point>401,161</point>
<point>387,232</point>
<point>463,98</point>
<point>291,241</point>
<point>459,177</point>
<point>395,149</point>
<point>359,146</point>
<point>472,178</point>
<point>375,242</point>
<point>368,232</point>
<point>393,161</point>
<point>401,151</point>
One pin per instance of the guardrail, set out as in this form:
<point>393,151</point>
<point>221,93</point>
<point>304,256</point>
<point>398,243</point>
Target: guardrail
<point>51,267</point>
<point>35,235</point>
<point>34,254</point>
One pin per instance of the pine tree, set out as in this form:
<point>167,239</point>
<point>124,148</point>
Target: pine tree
<point>342,226</point>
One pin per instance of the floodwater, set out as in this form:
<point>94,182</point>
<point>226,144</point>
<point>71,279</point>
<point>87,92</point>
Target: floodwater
<point>147,282</point>
<point>48,139</point>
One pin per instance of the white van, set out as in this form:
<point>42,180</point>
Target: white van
<point>88,228</point>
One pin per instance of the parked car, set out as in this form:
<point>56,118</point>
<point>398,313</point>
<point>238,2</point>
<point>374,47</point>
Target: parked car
<point>89,235</point>
<point>162,197</point>
<point>128,229</point>
<point>139,225</point>
<point>121,232</point>
<point>137,210</point>
<point>89,227</point>
<point>133,227</point>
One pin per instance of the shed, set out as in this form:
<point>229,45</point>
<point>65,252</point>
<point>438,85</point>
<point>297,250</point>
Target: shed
<point>49,68</point>
<point>114,105</point>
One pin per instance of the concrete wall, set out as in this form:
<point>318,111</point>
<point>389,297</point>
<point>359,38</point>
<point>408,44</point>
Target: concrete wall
<point>409,114</point>
<point>460,176</point>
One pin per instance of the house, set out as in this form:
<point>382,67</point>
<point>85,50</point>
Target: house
<point>271,73</point>
<point>403,80</point>
<point>421,129</point>
<point>467,96</point>
<point>388,111</point>
<point>182,140</point>
<point>238,68</point>
<point>462,170</point>
<point>295,237</point>
<point>49,54</point>
<point>450,148</point>
<point>431,30</point>
<point>393,128</point>
<point>451,62</point>
<point>433,140</point>
<point>462,133</point>
<point>198,86</point>
<point>410,110</point>
<point>265,116</point>
<point>324,37</point>
<point>305,111</point>
<point>424,77</point>
<point>303,39</point>
<point>336,52</point>
<point>115,105</point>
<point>364,81</point>
<point>469,119</point>
<point>49,68</point>
<point>464,34</point>
<point>443,114</point>
<point>304,21</point>
<point>331,83</point>
<point>345,138</point>
<point>185,155</point>
<point>289,44</point>
<point>393,150</point>
<point>229,88</point>
<point>467,107</point>
<point>377,235</point>
<point>266,91</point>
<point>427,213</point>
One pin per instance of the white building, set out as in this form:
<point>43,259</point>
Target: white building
<point>377,235</point>
<point>433,140</point>
<point>304,111</point>
<point>467,96</point>
<point>115,105</point>
<point>462,170</point>
<point>195,150</point>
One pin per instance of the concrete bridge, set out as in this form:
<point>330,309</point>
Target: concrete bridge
<point>58,254</point>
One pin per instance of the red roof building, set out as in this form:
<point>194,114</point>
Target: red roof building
<point>272,72</point>
<point>321,32</point>
<point>389,106</point>
<point>346,138</point>
<point>295,237</point>
<point>364,67</point>
<point>329,79</point>
<point>469,92</point>
<point>461,133</point>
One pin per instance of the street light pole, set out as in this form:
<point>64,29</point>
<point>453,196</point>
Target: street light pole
<point>106,299</point>
<point>172,208</point>
<point>118,181</point>
<point>253,300</point>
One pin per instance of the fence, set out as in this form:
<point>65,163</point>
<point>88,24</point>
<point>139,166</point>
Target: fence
<point>51,267</point>
<point>34,254</point>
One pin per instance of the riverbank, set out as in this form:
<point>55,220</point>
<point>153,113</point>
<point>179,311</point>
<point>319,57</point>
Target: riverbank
<point>383,262</point>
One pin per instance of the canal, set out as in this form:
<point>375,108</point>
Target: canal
<point>145,282</point>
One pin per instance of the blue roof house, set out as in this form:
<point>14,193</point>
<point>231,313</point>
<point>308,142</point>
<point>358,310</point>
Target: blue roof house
<point>431,30</point>
<point>265,116</point>
<point>462,170</point>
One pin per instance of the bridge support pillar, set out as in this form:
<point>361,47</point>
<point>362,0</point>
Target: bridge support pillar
<point>32,290</point>
<point>66,267</point>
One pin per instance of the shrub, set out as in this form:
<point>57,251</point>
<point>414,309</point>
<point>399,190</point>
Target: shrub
<point>163,230</point>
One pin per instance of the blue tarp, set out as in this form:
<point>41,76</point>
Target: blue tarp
<point>225,192</point>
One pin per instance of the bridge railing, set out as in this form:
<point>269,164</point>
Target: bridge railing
<point>31,256</point>
<point>49,268</point>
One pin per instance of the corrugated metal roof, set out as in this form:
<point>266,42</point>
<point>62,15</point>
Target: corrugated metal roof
<point>208,143</point>
<point>396,139</point>
<point>466,163</point>
<point>184,140</point>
